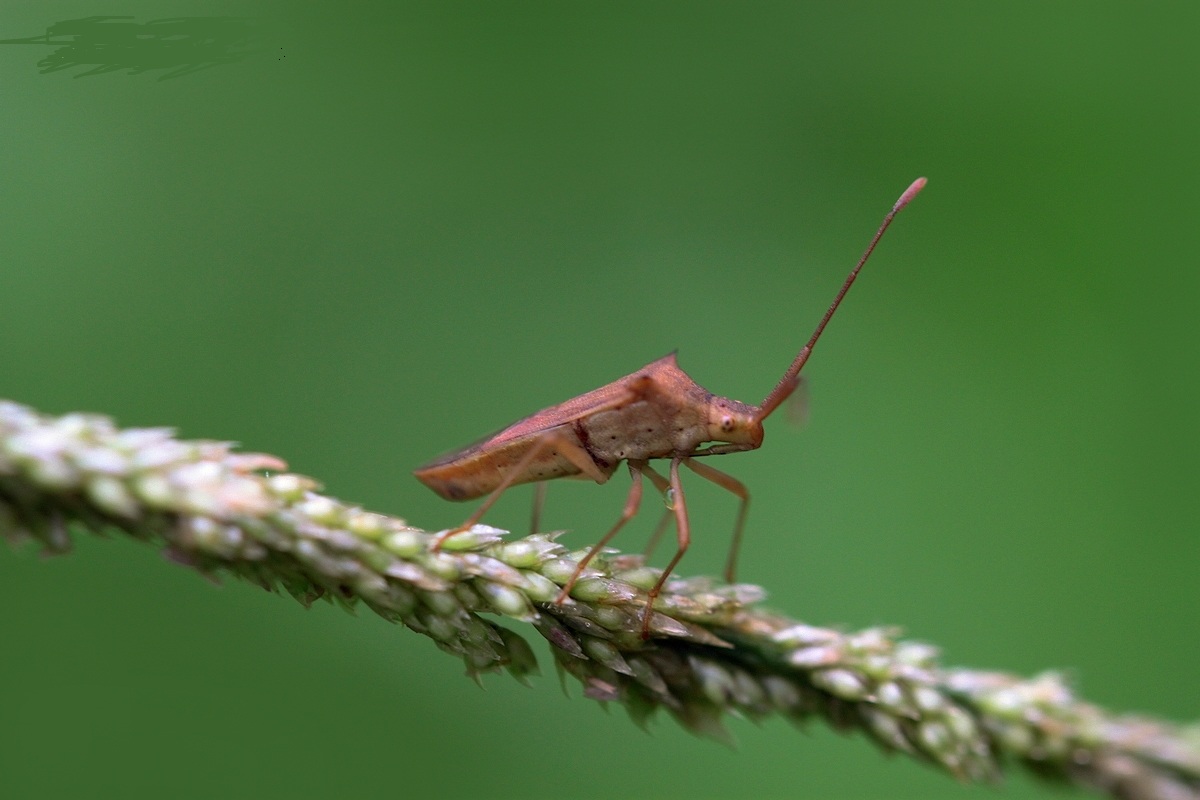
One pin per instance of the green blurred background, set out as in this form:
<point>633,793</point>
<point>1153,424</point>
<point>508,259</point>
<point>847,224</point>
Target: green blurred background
<point>405,225</point>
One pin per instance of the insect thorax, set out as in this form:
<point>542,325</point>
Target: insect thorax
<point>642,430</point>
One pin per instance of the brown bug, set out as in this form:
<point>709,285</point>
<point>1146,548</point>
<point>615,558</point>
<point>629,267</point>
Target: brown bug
<point>655,412</point>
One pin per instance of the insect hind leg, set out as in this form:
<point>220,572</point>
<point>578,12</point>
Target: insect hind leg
<point>551,439</point>
<point>539,500</point>
<point>632,502</point>
<point>663,487</point>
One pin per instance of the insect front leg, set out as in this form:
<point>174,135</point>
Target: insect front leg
<point>729,484</point>
<point>631,508</point>
<point>684,538</point>
<point>551,439</point>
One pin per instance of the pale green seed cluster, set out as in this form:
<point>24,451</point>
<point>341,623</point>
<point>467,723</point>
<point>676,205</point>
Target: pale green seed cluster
<point>1039,720</point>
<point>896,691</point>
<point>711,651</point>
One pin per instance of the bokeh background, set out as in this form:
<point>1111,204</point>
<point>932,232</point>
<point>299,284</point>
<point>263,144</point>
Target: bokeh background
<point>402,225</point>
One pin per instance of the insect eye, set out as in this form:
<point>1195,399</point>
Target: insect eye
<point>727,423</point>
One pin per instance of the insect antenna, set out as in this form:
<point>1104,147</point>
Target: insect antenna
<point>787,384</point>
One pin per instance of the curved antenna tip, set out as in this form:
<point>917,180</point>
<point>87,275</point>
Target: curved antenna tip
<point>909,193</point>
<point>790,378</point>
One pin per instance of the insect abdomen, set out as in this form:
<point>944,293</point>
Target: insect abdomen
<point>480,469</point>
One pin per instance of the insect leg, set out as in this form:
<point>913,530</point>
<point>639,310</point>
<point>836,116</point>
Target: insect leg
<point>684,538</point>
<point>729,484</point>
<point>539,500</point>
<point>656,535</point>
<point>631,508</point>
<point>663,486</point>
<point>550,439</point>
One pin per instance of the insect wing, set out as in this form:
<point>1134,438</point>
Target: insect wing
<point>615,394</point>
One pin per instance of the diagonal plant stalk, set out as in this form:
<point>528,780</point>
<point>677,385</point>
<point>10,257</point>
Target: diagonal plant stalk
<point>712,651</point>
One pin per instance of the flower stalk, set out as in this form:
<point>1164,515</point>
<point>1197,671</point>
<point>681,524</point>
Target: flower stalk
<point>712,652</point>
